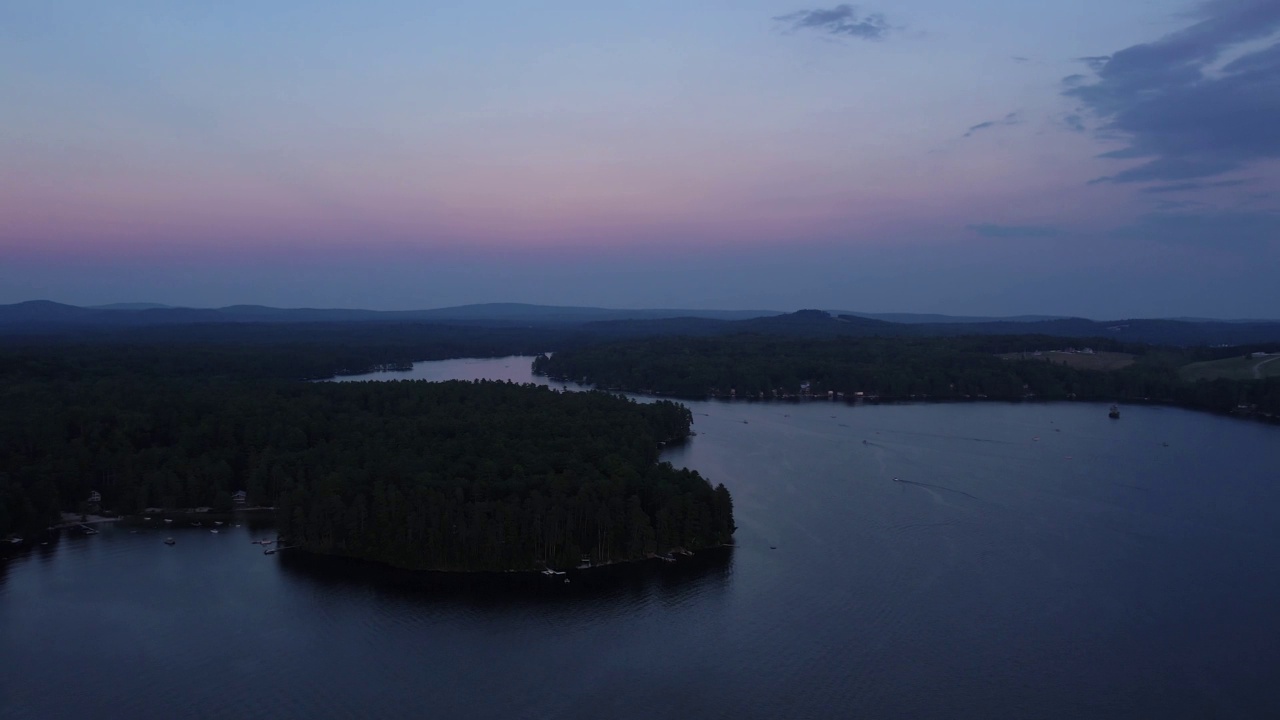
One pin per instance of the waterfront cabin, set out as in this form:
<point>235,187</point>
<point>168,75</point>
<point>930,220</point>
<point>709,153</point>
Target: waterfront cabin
<point>240,498</point>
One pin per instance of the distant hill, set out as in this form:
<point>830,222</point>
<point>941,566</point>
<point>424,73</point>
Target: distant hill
<point>519,312</point>
<point>588,323</point>
<point>44,311</point>
<point>817,323</point>
<point>43,315</point>
<point>932,318</point>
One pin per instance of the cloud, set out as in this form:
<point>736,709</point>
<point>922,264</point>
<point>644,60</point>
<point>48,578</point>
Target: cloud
<point>842,20</point>
<point>1181,113</point>
<point>1010,119</point>
<point>991,230</point>
<point>1075,122</point>
<point>1021,60</point>
<point>1182,187</point>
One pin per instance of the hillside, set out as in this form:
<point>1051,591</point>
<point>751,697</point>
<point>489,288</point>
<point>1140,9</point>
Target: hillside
<point>46,316</point>
<point>49,318</point>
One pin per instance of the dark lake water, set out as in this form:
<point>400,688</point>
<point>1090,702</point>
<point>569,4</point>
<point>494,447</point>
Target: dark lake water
<point>1031,561</point>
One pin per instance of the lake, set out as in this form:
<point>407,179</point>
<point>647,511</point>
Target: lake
<point>900,561</point>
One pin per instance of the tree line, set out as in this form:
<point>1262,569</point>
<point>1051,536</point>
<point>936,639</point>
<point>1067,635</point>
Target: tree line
<point>755,366</point>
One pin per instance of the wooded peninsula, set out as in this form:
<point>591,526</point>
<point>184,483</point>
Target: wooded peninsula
<point>459,476</point>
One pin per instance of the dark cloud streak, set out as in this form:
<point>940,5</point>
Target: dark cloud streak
<point>841,20</point>
<point>1010,119</point>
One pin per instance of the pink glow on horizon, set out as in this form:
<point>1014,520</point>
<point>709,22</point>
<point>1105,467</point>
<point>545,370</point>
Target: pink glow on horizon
<point>567,207</point>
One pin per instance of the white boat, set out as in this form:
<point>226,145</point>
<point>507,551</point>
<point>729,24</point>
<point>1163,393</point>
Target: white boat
<point>169,541</point>
<point>168,520</point>
<point>214,531</point>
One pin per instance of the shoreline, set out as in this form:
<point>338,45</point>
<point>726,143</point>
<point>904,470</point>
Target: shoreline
<point>68,521</point>
<point>1242,413</point>
<point>509,585</point>
<point>676,557</point>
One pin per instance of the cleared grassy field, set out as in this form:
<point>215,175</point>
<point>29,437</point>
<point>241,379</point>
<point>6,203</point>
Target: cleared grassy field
<point>1234,368</point>
<point>1080,361</point>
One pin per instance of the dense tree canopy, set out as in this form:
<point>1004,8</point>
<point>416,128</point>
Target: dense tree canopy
<point>458,475</point>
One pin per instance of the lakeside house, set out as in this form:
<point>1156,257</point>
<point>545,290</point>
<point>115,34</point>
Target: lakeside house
<point>240,498</point>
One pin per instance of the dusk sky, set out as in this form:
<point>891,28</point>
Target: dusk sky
<point>1105,159</point>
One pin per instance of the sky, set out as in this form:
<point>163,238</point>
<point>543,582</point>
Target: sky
<point>996,157</point>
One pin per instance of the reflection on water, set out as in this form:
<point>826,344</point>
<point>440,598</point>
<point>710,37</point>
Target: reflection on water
<point>1030,561</point>
<point>707,572</point>
<point>514,369</point>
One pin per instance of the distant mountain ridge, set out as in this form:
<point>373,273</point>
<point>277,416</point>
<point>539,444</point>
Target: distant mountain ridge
<point>43,317</point>
<point>1072,331</point>
<point>931,318</point>
<point>139,314</point>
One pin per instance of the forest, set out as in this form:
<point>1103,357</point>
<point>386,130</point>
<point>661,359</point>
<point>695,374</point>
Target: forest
<point>286,351</point>
<point>442,476</point>
<point>959,368</point>
<point>464,476</point>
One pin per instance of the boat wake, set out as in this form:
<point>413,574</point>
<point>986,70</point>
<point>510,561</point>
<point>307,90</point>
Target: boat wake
<point>936,487</point>
<point>913,526</point>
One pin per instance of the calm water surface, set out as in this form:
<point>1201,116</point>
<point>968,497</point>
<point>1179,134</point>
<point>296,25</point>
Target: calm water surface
<point>1031,561</point>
